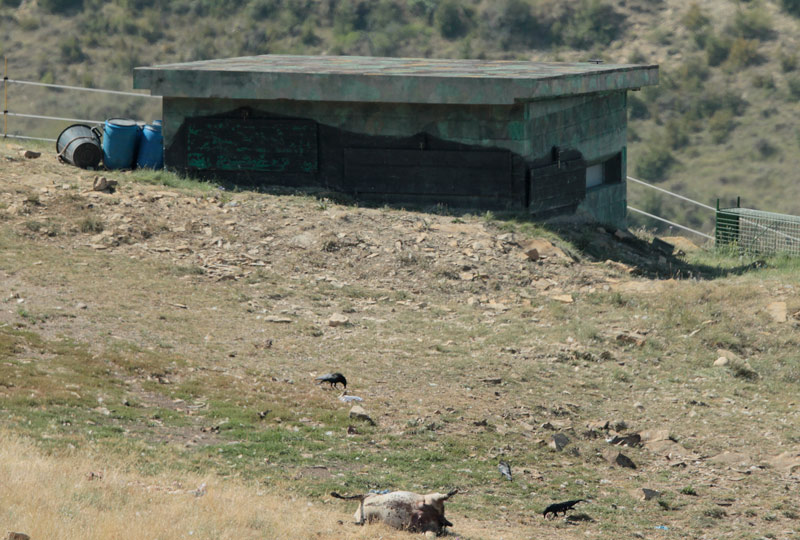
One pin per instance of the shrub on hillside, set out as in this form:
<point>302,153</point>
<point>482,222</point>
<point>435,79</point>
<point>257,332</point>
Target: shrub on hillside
<point>788,61</point>
<point>743,52</point>
<point>654,163</point>
<point>637,108</point>
<point>695,18</point>
<point>10,3</point>
<point>71,52</point>
<point>753,23</point>
<point>676,134</point>
<point>717,49</point>
<point>791,6</point>
<point>721,125</point>
<point>793,85</point>
<point>592,22</point>
<point>262,9</point>
<point>452,19</point>
<point>765,149</point>
<point>515,26</point>
<point>61,6</point>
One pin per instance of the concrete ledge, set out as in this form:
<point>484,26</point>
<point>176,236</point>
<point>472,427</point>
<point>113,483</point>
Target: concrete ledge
<point>387,80</point>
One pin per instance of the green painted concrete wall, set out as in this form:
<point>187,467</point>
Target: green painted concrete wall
<point>594,124</point>
<point>500,126</point>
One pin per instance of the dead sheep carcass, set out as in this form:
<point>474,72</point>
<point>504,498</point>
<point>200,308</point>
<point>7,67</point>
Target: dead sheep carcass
<point>403,510</point>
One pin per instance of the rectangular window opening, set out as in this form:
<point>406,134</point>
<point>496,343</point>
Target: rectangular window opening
<point>604,172</point>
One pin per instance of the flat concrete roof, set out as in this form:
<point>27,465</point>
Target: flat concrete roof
<point>387,80</point>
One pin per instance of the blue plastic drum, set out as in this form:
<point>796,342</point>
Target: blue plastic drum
<point>151,147</point>
<point>120,137</point>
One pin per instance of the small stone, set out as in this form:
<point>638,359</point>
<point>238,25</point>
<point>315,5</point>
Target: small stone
<point>81,305</point>
<point>730,355</point>
<point>17,536</point>
<point>558,442</point>
<point>721,362</point>
<point>618,458</point>
<point>276,319</point>
<point>532,254</point>
<point>620,425</point>
<point>337,319</point>
<point>777,310</point>
<point>29,154</point>
<point>563,298</point>
<point>358,413</point>
<point>788,462</point>
<point>599,425</point>
<point>649,494</point>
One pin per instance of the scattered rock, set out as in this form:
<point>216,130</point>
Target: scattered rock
<point>632,337</point>
<point>543,249</point>
<point>786,462</point>
<point>721,362</point>
<point>731,459</point>
<point>532,254</point>
<point>652,435</point>
<point>620,425</point>
<point>277,319</point>
<point>337,319</point>
<point>29,154</point>
<point>558,442</point>
<point>633,439</point>
<point>599,425</point>
<point>618,458</point>
<point>563,298</point>
<point>17,536</point>
<point>777,310</point>
<point>358,413</point>
<point>649,494</point>
<point>101,183</point>
<point>492,380</point>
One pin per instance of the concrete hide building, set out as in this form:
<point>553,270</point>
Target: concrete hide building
<point>546,138</point>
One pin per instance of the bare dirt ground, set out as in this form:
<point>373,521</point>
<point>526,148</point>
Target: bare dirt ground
<point>465,347</point>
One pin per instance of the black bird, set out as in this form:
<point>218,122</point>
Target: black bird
<point>555,508</point>
<point>333,379</point>
<point>505,470</point>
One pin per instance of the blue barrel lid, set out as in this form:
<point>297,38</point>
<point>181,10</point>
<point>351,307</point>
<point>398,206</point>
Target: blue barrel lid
<point>156,122</point>
<point>121,122</point>
<point>154,127</point>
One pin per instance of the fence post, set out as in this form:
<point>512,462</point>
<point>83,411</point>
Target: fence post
<point>5,97</point>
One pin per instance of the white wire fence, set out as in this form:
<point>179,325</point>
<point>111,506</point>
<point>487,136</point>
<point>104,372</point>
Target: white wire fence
<point>8,113</point>
<point>668,222</point>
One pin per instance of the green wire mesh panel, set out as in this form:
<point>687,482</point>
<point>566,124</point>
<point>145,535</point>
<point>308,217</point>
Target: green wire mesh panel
<point>754,231</point>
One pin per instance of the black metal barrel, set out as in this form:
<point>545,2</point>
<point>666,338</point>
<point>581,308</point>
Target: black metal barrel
<point>79,144</point>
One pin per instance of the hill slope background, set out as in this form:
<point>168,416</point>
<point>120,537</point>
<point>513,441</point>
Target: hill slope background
<point>723,122</point>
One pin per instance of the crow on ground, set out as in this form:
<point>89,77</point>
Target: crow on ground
<point>333,379</point>
<point>555,508</point>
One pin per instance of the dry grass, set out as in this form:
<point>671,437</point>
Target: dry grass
<point>56,496</point>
